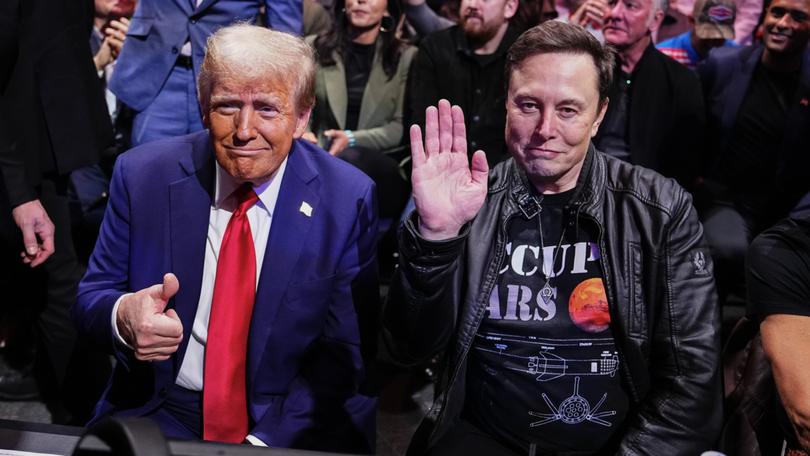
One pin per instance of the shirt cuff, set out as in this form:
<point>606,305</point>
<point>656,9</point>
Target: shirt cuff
<point>114,322</point>
<point>253,440</point>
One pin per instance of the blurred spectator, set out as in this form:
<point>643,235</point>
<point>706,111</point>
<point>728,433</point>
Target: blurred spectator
<point>52,121</point>
<point>89,185</point>
<point>655,117</point>
<point>156,71</point>
<point>589,14</point>
<point>465,65</point>
<point>360,91</point>
<point>748,17</point>
<point>712,25</point>
<point>425,20</point>
<point>778,276</point>
<point>757,162</point>
<point>674,24</point>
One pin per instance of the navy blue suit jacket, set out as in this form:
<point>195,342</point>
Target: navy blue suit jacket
<point>159,29</point>
<point>726,76</point>
<point>317,289</point>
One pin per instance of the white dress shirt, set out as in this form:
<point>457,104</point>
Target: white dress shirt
<point>260,217</point>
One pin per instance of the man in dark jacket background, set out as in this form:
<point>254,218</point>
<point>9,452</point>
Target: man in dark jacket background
<point>758,104</point>
<point>570,292</point>
<point>656,117</point>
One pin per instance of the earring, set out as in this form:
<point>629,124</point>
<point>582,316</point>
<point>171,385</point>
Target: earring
<point>386,24</point>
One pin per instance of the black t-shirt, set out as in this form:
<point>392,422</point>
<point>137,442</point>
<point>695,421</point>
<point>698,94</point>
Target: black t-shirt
<point>544,368</point>
<point>778,279</point>
<point>359,58</point>
<point>779,269</point>
<point>751,162</point>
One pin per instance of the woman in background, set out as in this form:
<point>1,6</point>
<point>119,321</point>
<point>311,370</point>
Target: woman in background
<point>360,91</point>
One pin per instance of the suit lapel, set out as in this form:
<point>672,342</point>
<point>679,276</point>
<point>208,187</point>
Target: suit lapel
<point>738,87</point>
<point>190,204</point>
<point>288,233</point>
<point>335,79</point>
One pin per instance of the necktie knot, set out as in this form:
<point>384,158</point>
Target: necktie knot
<point>245,197</point>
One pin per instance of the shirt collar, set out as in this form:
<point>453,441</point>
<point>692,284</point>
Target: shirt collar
<point>267,191</point>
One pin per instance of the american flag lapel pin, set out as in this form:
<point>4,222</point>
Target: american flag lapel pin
<point>305,209</point>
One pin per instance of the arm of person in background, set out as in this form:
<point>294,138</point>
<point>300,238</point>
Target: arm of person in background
<point>591,12</point>
<point>787,346</point>
<point>115,34</point>
<point>682,412</point>
<point>422,306</point>
<point>746,21</point>
<point>28,214</point>
<point>285,15</point>
<point>778,279</point>
<point>423,19</point>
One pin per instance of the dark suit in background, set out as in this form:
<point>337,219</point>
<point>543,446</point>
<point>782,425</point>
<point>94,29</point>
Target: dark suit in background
<point>665,119</point>
<point>749,186</point>
<point>52,121</point>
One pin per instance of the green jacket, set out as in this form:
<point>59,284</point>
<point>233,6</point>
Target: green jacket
<point>380,123</point>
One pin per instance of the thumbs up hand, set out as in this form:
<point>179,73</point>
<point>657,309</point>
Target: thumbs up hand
<point>145,324</point>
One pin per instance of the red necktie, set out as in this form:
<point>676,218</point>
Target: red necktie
<point>225,417</point>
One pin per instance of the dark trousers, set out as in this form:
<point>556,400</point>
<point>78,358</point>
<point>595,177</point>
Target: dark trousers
<point>466,439</point>
<point>180,415</point>
<point>37,304</point>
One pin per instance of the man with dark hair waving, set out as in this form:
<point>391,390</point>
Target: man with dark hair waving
<point>571,292</point>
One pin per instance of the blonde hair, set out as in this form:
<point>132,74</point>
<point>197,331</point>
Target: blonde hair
<point>248,52</point>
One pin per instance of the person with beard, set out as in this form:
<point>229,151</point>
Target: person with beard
<point>655,117</point>
<point>757,164</point>
<point>464,64</point>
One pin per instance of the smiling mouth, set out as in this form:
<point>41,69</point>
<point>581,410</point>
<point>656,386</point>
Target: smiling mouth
<point>541,151</point>
<point>245,151</point>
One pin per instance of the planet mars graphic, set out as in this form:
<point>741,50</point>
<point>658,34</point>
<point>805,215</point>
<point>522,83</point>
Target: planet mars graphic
<point>588,306</point>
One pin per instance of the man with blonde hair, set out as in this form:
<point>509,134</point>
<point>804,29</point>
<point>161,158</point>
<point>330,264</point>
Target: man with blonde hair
<point>229,280</point>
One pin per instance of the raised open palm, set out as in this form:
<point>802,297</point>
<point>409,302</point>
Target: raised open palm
<point>448,192</point>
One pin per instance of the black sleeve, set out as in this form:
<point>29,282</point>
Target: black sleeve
<point>778,272</point>
<point>691,119</point>
<point>13,179</point>
<point>422,86</point>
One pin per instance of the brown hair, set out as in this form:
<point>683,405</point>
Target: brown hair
<point>560,37</point>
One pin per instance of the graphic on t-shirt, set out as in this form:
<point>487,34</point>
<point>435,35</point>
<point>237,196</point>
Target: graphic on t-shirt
<point>547,365</point>
<point>588,306</point>
<point>546,331</point>
<point>573,410</point>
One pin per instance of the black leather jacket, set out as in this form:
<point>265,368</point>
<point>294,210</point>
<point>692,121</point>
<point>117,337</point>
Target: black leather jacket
<point>659,283</point>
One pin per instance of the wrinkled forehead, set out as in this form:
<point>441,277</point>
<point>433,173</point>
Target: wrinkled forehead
<point>267,85</point>
<point>578,66</point>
